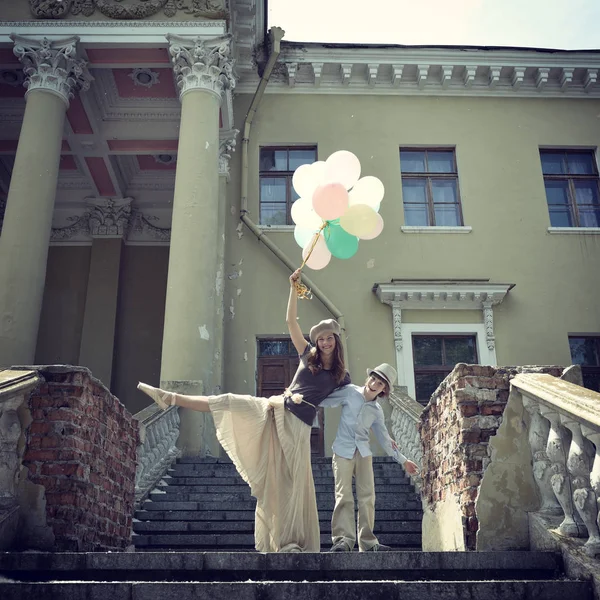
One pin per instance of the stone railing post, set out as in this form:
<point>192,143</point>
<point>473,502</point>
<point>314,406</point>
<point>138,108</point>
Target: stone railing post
<point>14,386</point>
<point>539,429</point>
<point>579,464</point>
<point>406,414</point>
<point>159,431</point>
<point>557,452</point>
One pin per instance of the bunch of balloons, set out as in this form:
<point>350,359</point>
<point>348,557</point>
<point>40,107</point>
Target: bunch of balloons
<point>336,208</point>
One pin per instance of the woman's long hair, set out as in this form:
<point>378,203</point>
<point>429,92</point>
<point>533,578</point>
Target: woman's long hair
<point>338,366</point>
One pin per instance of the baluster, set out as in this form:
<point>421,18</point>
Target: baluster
<point>560,480</point>
<point>594,438</point>
<point>539,429</point>
<point>584,497</point>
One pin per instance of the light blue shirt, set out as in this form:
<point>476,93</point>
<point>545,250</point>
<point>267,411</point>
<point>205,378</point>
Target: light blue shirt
<point>358,418</point>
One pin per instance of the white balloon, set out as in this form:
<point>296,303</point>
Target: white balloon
<point>304,215</point>
<point>307,178</point>
<point>342,167</point>
<point>303,236</point>
<point>369,190</point>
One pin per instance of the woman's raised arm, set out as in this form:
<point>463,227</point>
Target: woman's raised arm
<point>291,316</point>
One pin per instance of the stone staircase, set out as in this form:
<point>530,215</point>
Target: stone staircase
<point>406,575</point>
<point>205,505</point>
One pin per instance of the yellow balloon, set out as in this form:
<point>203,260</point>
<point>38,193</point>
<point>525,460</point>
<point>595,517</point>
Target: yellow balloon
<point>359,220</point>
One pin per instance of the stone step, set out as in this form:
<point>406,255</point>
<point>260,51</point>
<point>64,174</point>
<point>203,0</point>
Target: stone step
<point>248,526</point>
<point>183,502</point>
<point>157,513</point>
<point>243,495</point>
<point>393,469</point>
<point>228,566</point>
<point>315,460</point>
<point>242,540</point>
<point>270,590</point>
<point>237,480</point>
<point>242,487</point>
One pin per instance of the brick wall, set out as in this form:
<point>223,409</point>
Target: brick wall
<point>81,447</point>
<point>456,426</point>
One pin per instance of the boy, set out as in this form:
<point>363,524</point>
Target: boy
<point>353,457</point>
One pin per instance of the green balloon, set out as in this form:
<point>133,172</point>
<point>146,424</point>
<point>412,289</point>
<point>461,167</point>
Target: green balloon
<point>341,244</point>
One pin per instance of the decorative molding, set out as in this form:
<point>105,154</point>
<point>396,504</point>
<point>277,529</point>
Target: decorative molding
<point>430,71</point>
<point>575,230</point>
<point>115,9</point>
<point>441,295</point>
<point>291,69</point>
<point>199,64</point>
<point>227,143</point>
<point>436,229</point>
<point>488,321</point>
<point>140,73</point>
<point>52,66</point>
<point>108,217</point>
<point>397,320</point>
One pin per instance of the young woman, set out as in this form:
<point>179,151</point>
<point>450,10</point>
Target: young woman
<point>268,439</point>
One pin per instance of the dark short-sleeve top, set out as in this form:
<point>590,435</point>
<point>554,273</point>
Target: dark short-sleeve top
<point>314,388</point>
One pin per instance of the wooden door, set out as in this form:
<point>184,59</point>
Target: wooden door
<point>275,373</point>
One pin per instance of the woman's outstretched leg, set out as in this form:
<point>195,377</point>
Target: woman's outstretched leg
<point>165,399</point>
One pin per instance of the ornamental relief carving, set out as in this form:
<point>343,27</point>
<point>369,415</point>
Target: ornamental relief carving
<point>128,9</point>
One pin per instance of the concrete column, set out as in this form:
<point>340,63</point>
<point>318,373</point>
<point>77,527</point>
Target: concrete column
<point>227,146</point>
<point>203,70</point>
<point>108,224</point>
<point>53,74</point>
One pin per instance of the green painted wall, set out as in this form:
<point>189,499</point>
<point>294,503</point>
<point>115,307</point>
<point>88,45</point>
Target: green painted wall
<point>497,144</point>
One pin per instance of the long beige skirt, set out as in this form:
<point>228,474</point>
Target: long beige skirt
<point>270,448</point>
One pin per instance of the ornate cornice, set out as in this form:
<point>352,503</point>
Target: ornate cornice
<point>108,217</point>
<point>200,64</point>
<point>52,66</point>
<point>116,9</point>
<point>227,143</point>
<point>392,70</point>
<point>442,295</point>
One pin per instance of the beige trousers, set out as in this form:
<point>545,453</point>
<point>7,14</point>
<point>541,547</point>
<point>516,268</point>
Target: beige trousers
<point>343,526</point>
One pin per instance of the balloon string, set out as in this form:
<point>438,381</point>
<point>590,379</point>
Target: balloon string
<point>302,291</point>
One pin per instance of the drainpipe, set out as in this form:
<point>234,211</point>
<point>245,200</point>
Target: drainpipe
<point>275,35</point>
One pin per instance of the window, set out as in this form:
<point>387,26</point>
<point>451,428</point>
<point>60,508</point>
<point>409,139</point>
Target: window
<point>430,187</point>
<point>434,356</point>
<point>277,166</point>
<point>585,351</point>
<point>571,181</point>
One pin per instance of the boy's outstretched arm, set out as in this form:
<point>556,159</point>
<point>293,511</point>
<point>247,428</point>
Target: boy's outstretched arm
<point>390,447</point>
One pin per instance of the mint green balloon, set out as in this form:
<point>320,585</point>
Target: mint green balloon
<point>340,243</point>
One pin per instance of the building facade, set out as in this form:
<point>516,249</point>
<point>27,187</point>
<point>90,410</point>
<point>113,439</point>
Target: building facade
<point>125,173</point>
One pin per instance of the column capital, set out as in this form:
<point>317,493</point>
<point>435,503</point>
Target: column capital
<point>227,143</point>
<point>52,65</point>
<point>202,64</point>
<point>108,218</point>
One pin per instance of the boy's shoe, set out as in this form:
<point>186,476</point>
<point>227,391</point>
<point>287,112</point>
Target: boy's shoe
<point>340,546</point>
<point>379,548</point>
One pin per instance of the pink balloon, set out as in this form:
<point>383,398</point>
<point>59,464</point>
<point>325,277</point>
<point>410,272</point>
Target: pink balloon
<point>320,255</point>
<point>330,201</point>
<point>375,231</point>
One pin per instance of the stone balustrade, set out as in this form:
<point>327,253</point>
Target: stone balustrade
<point>406,414</point>
<point>564,437</point>
<point>159,431</point>
<point>14,389</point>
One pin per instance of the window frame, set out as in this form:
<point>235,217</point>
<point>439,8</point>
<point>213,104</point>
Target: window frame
<point>287,175</point>
<point>439,369</point>
<point>428,176</point>
<point>570,179</point>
